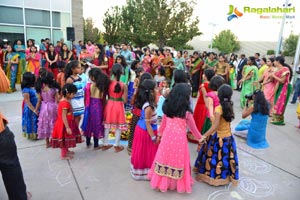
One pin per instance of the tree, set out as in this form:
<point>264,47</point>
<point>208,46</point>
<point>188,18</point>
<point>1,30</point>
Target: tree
<point>226,42</point>
<point>163,22</point>
<point>290,45</point>
<point>90,32</point>
<point>112,23</point>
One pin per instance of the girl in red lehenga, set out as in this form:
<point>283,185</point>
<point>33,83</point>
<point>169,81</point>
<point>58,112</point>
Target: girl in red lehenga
<point>62,136</point>
<point>200,109</point>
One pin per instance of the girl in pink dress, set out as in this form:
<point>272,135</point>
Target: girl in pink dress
<point>114,112</point>
<point>171,167</point>
<point>48,91</point>
<point>145,142</point>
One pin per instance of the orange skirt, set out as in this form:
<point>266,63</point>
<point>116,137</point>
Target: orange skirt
<point>4,82</point>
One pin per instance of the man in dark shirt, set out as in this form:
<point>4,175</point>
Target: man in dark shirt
<point>242,62</point>
<point>9,164</point>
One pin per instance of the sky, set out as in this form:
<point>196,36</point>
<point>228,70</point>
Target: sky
<point>249,27</point>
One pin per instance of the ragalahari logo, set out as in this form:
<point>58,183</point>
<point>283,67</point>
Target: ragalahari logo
<point>233,13</point>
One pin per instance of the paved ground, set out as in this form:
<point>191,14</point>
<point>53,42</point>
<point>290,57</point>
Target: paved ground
<point>273,173</point>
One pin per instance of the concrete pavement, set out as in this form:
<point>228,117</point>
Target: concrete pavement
<point>273,173</point>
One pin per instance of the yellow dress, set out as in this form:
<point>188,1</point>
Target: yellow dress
<point>298,110</point>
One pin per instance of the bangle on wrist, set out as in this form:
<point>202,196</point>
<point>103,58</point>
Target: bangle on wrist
<point>153,138</point>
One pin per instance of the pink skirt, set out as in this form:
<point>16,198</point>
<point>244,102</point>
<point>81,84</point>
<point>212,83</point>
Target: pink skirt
<point>143,153</point>
<point>165,177</point>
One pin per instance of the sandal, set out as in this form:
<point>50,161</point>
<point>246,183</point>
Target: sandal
<point>98,147</point>
<point>119,148</point>
<point>68,157</point>
<point>106,147</point>
<point>29,195</point>
<point>70,152</point>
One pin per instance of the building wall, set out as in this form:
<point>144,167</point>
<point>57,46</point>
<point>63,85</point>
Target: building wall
<point>77,19</point>
<point>39,19</point>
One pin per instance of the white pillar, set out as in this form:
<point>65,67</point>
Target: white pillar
<point>279,42</point>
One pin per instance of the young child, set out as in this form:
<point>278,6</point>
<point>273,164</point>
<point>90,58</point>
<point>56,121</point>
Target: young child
<point>171,166</point>
<point>144,145</point>
<point>164,92</point>
<point>232,75</point>
<point>72,72</point>
<point>84,75</point>
<point>160,75</point>
<point>136,111</point>
<point>200,110</point>
<point>132,77</point>
<point>61,75</point>
<point>138,74</point>
<point>114,113</point>
<point>48,91</point>
<point>63,135</point>
<point>211,101</point>
<point>95,96</point>
<point>31,106</point>
<point>217,162</point>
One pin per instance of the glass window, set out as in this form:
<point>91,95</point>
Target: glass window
<point>11,29</point>
<point>18,3</point>
<point>59,34</point>
<point>60,19</point>
<point>44,4</point>
<point>37,17</point>
<point>37,34</point>
<point>11,15</point>
<point>60,5</point>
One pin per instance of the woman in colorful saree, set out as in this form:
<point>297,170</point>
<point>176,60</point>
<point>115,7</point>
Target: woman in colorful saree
<point>267,83</point>
<point>282,90</point>
<point>196,73</point>
<point>250,76</point>
<point>179,64</point>
<point>210,61</point>
<point>11,62</point>
<point>33,59</point>
<point>20,49</point>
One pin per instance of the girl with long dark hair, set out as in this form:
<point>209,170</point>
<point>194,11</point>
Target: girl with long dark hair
<point>31,107</point>
<point>258,108</point>
<point>114,112</point>
<point>72,71</point>
<point>167,172</point>
<point>144,145</point>
<point>136,111</point>
<point>51,59</point>
<point>100,60</point>
<point>95,97</point>
<point>48,90</point>
<point>217,161</point>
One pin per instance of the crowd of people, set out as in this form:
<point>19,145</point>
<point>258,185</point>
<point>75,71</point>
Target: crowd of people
<point>90,89</point>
